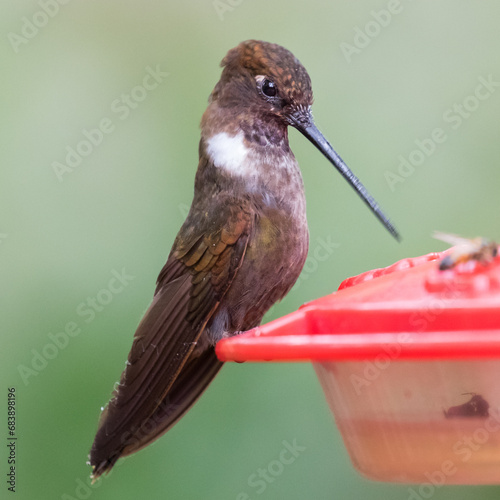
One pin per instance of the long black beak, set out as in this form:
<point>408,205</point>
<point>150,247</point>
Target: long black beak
<point>307,127</point>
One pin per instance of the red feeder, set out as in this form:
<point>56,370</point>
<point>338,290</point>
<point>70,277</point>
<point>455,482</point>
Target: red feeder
<point>409,359</point>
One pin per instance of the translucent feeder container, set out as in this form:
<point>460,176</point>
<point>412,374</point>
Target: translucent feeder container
<point>409,360</point>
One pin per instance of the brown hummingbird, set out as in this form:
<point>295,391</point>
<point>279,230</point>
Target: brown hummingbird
<point>240,250</point>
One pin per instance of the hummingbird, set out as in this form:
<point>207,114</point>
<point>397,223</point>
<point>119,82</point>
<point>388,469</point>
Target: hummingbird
<point>240,250</point>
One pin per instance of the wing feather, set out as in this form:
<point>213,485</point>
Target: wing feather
<point>187,388</point>
<point>164,374</point>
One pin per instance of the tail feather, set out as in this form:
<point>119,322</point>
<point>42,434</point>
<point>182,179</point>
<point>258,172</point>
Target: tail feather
<point>198,372</point>
<point>189,386</point>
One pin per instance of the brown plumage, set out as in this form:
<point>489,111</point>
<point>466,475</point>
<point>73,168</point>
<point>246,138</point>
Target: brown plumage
<point>241,248</point>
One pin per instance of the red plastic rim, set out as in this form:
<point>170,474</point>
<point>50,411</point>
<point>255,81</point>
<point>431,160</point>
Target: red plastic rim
<point>408,311</point>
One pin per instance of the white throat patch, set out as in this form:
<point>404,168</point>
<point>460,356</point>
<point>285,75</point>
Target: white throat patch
<point>230,153</point>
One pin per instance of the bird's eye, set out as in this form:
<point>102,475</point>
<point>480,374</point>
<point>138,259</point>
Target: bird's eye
<point>269,88</point>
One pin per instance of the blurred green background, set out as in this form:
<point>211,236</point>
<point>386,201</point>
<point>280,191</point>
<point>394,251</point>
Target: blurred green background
<point>62,236</point>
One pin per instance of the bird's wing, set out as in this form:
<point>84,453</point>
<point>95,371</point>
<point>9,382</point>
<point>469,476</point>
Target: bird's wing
<point>452,239</point>
<point>193,379</point>
<point>203,262</point>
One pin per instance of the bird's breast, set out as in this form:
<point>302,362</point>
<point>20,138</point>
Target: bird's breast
<point>274,258</point>
<point>267,179</point>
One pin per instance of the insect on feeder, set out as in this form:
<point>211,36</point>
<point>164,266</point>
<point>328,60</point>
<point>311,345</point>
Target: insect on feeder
<point>409,360</point>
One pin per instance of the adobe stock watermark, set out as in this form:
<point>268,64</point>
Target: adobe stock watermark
<point>223,6</point>
<point>85,487</point>
<point>122,107</point>
<point>184,209</point>
<point>263,476</point>
<point>418,321</point>
<point>137,433</point>
<point>30,27</point>
<point>88,310</point>
<point>323,249</point>
<point>372,369</point>
<point>363,37</point>
<point>453,118</point>
<point>466,448</point>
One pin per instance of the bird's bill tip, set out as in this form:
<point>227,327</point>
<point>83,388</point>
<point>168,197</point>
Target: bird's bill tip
<point>306,126</point>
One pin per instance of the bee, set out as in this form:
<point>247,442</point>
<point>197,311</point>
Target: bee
<point>479,249</point>
<point>477,406</point>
